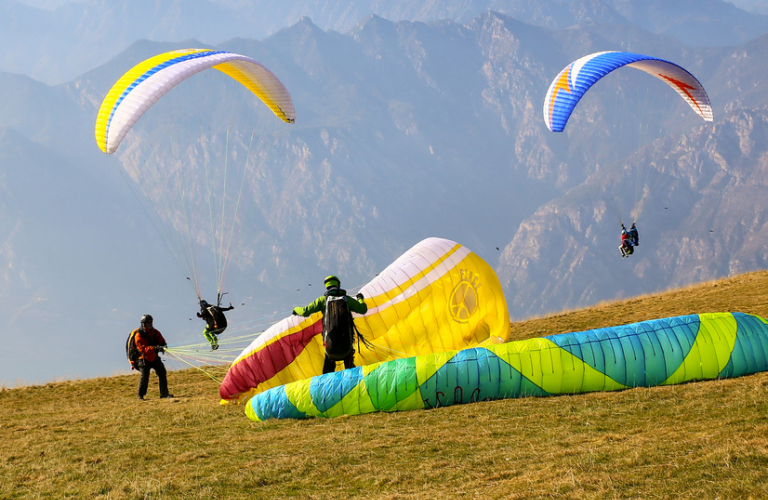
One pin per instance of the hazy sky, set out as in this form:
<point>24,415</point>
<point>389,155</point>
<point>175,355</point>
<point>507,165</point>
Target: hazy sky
<point>760,6</point>
<point>166,300</point>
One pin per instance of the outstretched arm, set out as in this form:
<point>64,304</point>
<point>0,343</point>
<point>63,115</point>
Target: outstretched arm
<point>317,306</point>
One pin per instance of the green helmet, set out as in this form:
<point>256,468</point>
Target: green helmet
<point>331,281</point>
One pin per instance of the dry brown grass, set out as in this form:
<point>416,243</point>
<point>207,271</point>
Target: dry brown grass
<point>747,293</point>
<point>93,439</point>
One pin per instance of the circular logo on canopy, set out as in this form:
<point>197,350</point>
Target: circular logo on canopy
<point>464,302</point>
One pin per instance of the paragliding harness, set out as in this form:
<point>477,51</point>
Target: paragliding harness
<point>634,238</point>
<point>628,240</point>
<point>214,318</point>
<point>131,351</point>
<point>218,319</point>
<point>339,328</point>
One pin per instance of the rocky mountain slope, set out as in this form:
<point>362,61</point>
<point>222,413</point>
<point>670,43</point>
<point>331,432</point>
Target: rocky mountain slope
<point>404,130</point>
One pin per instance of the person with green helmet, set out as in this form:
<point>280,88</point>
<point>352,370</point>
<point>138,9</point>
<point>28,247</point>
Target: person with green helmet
<point>338,325</point>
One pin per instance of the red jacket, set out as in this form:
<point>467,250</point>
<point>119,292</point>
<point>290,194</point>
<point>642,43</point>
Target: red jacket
<point>146,339</point>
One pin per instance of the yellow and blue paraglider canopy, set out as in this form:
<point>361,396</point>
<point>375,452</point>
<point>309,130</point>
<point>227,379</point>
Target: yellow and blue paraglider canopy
<point>139,88</point>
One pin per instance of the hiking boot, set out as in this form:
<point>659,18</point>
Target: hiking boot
<point>214,347</point>
<point>141,398</point>
<point>167,396</point>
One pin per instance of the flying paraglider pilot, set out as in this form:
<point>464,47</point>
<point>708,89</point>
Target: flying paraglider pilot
<point>626,247</point>
<point>150,343</point>
<point>215,321</point>
<point>633,236</point>
<point>338,324</point>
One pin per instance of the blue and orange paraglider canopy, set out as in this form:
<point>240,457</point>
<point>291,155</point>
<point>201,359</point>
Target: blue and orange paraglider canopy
<point>570,85</point>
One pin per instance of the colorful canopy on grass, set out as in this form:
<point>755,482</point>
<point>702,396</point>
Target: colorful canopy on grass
<point>436,297</point>
<point>650,353</point>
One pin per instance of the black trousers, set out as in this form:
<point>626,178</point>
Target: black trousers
<point>159,368</point>
<point>329,365</point>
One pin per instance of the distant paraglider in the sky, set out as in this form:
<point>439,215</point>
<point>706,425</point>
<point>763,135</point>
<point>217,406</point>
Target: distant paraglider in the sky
<point>629,240</point>
<point>197,172</point>
<point>632,130</point>
<point>651,353</point>
<point>437,297</point>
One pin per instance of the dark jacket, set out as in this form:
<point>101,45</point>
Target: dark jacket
<point>214,316</point>
<point>633,236</point>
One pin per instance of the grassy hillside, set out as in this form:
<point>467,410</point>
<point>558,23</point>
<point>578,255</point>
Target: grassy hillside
<point>93,439</point>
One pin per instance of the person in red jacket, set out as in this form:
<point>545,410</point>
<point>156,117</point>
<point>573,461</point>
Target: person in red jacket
<point>150,342</point>
<point>626,247</point>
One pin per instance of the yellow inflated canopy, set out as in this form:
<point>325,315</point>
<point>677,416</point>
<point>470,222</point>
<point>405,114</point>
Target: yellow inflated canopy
<point>437,297</point>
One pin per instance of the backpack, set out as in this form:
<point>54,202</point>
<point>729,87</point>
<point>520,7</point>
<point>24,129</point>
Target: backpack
<point>219,320</point>
<point>338,327</point>
<point>131,351</point>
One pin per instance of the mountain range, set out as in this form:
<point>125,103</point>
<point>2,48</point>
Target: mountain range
<point>55,41</point>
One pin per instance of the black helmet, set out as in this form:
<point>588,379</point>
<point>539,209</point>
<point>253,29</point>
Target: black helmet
<point>204,303</point>
<point>146,319</point>
<point>331,281</point>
